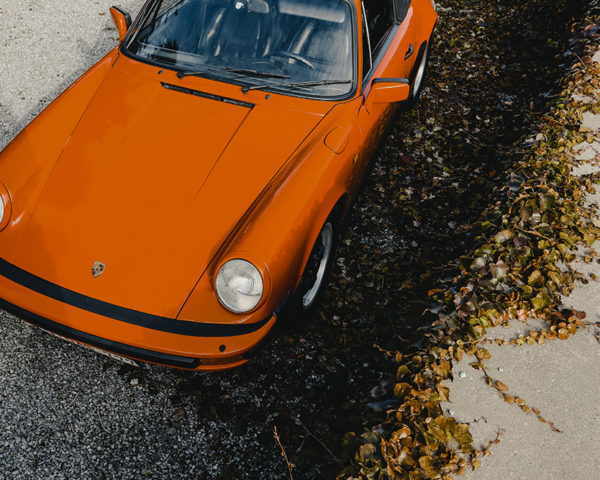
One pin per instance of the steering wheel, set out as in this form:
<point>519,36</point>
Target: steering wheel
<point>298,58</point>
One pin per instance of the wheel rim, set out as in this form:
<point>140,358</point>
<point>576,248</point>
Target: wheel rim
<point>317,265</point>
<point>420,74</point>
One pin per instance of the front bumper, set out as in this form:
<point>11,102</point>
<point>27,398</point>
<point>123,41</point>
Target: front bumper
<point>125,332</point>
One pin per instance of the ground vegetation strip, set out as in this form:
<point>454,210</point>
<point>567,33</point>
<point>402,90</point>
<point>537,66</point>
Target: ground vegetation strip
<point>516,267</point>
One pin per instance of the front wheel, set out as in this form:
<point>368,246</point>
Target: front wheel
<point>418,77</point>
<point>317,267</point>
<point>315,274</point>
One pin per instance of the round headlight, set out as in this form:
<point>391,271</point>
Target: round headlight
<point>239,286</point>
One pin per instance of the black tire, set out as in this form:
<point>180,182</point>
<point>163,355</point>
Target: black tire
<point>418,75</point>
<point>316,274</point>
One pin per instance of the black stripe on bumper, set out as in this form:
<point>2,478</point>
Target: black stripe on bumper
<point>122,314</point>
<point>99,342</point>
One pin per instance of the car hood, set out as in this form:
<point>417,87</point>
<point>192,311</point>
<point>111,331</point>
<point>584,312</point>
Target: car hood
<point>150,184</point>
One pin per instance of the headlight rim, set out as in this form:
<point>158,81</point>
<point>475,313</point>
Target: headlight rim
<point>7,203</point>
<point>258,265</point>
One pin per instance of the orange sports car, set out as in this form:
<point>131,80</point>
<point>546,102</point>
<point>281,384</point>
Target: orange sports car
<point>188,189</point>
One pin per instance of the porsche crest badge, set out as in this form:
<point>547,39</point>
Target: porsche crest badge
<point>98,269</point>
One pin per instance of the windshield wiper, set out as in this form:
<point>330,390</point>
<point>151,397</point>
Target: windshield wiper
<point>239,71</point>
<point>191,73</point>
<point>255,73</point>
<point>317,84</point>
<point>298,84</point>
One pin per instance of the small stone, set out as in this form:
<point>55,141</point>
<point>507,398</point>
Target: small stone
<point>500,369</point>
<point>134,382</point>
<point>462,375</point>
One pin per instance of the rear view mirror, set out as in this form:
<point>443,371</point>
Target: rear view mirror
<point>389,90</point>
<point>122,21</point>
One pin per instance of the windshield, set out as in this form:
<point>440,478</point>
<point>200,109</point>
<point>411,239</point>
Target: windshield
<point>304,47</point>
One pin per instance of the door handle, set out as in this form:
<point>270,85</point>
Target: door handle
<point>410,51</point>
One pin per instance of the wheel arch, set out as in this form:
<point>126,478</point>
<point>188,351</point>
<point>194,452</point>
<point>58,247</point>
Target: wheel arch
<point>338,211</point>
<point>281,227</point>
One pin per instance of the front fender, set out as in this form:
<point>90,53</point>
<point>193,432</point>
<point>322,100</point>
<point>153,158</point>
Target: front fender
<point>278,232</point>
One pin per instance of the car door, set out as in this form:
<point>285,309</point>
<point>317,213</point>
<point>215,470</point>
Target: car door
<point>389,51</point>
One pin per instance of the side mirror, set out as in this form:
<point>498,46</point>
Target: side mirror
<point>122,21</point>
<point>388,90</point>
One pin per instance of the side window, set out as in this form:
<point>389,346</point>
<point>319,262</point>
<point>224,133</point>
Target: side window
<point>401,8</point>
<point>380,20</point>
